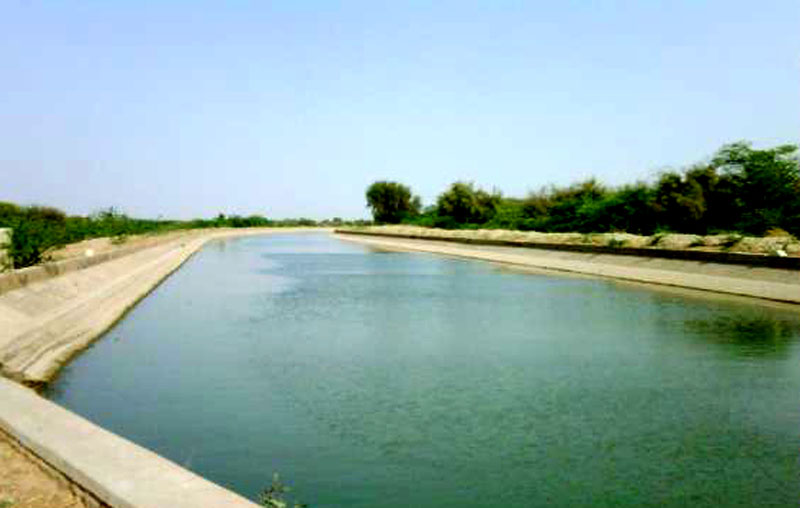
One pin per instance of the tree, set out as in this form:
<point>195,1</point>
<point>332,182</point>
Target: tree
<point>765,184</point>
<point>465,204</point>
<point>35,230</point>
<point>628,209</point>
<point>392,202</point>
<point>564,209</point>
<point>680,203</point>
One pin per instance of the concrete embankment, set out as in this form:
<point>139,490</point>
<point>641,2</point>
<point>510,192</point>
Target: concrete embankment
<point>726,274</point>
<point>109,470</point>
<point>48,317</point>
<point>22,277</point>
<point>49,314</point>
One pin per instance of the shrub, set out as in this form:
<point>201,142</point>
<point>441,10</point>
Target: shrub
<point>463,204</point>
<point>391,202</point>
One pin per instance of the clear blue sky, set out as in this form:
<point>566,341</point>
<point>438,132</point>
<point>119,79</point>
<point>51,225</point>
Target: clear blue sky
<point>190,108</point>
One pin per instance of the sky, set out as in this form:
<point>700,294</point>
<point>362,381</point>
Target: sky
<point>183,109</point>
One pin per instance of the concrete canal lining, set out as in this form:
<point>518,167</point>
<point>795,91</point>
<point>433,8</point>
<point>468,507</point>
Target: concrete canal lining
<point>50,314</point>
<point>774,284</point>
<point>113,470</point>
<point>46,321</point>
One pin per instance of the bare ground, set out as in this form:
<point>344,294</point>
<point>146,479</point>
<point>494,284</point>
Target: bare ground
<point>25,482</point>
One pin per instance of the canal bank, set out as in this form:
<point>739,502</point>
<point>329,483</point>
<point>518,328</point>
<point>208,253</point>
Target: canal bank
<point>355,372</point>
<point>52,434</point>
<point>49,314</point>
<point>746,276</point>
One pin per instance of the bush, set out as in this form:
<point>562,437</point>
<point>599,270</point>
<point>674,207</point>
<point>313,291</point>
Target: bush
<point>464,204</point>
<point>37,229</point>
<point>738,189</point>
<point>392,202</point>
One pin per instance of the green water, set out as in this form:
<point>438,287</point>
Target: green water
<point>371,379</point>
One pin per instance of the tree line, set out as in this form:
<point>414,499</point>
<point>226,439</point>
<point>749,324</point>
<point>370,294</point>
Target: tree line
<point>39,229</point>
<point>739,189</point>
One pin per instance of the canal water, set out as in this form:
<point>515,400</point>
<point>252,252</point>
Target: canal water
<point>378,379</point>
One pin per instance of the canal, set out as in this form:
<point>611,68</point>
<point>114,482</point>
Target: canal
<point>389,379</point>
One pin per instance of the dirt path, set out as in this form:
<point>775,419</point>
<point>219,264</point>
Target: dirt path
<point>27,483</point>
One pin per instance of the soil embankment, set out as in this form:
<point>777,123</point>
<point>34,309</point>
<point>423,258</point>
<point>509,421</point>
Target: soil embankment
<point>741,275</point>
<point>28,482</point>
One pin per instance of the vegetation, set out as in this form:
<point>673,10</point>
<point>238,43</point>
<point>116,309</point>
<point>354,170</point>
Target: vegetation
<point>392,202</point>
<point>275,496</point>
<point>37,229</point>
<point>738,190</point>
<point>462,203</point>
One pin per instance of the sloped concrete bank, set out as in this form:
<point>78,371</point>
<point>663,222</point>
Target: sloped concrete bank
<point>47,319</point>
<point>470,238</point>
<point>22,277</point>
<point>725,274</point>
<point>109,470</point>
<point>45,322</point>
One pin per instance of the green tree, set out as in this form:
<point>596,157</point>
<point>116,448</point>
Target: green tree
<point>564,209</point>
<point>629,209</point>
<point>680,203</point>
<point>465,204</point>
<point>392,202</point>
<point>34,231</point>
<point>508,215</point>
<point>764,186</point>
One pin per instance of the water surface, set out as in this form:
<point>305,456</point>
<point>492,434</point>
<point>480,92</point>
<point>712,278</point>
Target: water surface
<point>372,379</point>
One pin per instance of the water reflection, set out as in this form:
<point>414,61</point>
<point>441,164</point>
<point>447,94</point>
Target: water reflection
<point>748,334</point>
<point>219,245</point>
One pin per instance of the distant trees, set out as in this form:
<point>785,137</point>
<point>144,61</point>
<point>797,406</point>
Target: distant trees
<point>392,202</point>
<point>565,210</point>
<point>680,203</point>
<point>763,186</point>
<point>38,229</point>
<point>462,203</point>
<point>739,189</point>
